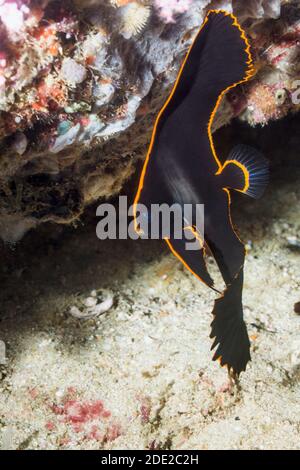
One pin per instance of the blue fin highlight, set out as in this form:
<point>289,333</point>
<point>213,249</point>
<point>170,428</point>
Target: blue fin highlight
<point>257,167</point>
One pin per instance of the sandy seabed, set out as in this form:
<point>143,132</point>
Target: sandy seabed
<point>140,376</point>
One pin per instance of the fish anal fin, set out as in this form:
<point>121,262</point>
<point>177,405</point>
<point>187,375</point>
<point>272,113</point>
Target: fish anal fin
<point>246,170</point>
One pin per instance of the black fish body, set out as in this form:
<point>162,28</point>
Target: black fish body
<point>182,167</point>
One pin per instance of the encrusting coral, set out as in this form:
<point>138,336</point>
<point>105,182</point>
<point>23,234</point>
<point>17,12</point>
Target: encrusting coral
<point>81,82</point>
<point>168,10</point>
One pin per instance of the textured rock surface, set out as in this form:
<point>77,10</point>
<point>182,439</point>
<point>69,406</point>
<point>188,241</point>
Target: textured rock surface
<point>81,83</point>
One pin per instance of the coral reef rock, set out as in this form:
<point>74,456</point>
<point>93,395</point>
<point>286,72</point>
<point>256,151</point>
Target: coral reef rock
<point>81,82</point>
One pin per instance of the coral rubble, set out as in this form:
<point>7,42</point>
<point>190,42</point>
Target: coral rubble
<point>81,82</point>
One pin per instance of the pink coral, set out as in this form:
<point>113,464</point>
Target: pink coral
<point>168,8</point>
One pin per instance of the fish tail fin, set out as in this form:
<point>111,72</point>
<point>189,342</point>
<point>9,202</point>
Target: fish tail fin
<point>229,330</point>
<point>246,170</point>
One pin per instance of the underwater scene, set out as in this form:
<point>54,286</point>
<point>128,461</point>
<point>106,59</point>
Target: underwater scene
<point>149,227</point>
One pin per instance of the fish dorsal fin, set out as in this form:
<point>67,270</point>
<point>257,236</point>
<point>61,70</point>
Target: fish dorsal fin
<point>246,170</point>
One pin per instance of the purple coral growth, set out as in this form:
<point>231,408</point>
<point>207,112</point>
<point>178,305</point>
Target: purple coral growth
<point>168,8</point>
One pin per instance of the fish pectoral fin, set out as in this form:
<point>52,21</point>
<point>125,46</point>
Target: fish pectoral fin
<point>229,329</point>
<point>246,170</point>
<point>193,260</point>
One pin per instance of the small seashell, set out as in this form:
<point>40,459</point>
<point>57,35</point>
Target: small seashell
<point>104,306</point>
<point>90,302</point>
<point>82,314</point>
<point>92,308</point>
<point>76,313</point>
